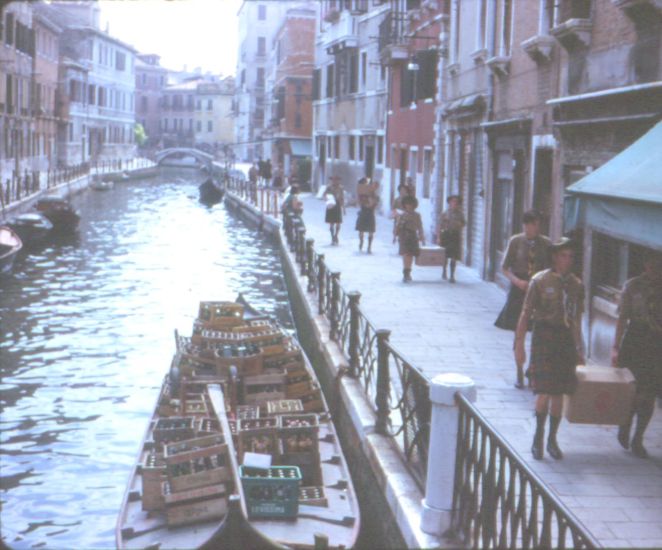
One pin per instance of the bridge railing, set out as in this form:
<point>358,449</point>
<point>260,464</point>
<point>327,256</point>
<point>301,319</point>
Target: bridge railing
<point>266,200</point>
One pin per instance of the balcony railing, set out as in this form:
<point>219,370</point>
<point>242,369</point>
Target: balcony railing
<point>392,38</point>
<point>342,34</point>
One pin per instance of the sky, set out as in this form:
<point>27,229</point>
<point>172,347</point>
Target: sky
<point>195,33</point>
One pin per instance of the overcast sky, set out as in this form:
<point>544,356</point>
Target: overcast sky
<point>195,33</point>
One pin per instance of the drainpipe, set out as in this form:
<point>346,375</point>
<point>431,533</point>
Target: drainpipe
<point>440,144</point>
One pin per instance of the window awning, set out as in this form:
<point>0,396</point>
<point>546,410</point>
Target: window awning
<point>300,147</point>
<point>624,196</point>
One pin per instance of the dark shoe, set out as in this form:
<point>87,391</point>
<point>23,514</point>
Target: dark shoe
<point>537,449</point>
<point>452,279</point>
<point>444,276</point>
<point>638,449</point>
<point>519,385</point>
<point>624,436</point>
<point>553,450</point>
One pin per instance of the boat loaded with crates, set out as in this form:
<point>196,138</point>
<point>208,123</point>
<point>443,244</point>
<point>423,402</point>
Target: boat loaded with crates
<point>241,451</point>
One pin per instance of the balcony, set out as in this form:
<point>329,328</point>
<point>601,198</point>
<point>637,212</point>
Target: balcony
<point>392,39</point>
<point>499,65</point>
<point>640,10</point>
<point>574,29</point>
<point>341,35</point>
<point>539,48</point>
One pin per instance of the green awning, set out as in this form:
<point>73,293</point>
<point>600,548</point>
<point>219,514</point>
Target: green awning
<point>300,147</point>
<point>624,196</point>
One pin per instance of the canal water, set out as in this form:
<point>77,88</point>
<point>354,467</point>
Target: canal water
<point>86,336</point>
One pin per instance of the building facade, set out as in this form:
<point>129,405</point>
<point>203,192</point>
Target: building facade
<point>259,20</point>
<point>350,95</point>
<point>214,128</point>
<point>151,78</point>
<point>289,93</point>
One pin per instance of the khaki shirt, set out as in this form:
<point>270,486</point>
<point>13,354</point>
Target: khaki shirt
<point>555,299</point>
<point>526,257</point>
<point>641,302</point>
<point>409,222</point>
<point>453,219</point>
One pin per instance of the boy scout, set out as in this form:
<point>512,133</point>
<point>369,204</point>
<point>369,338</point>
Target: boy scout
<point>527,253</point>
<point>555,302</point>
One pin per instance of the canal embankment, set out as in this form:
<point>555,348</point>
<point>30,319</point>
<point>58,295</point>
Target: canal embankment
<point>390,497</point>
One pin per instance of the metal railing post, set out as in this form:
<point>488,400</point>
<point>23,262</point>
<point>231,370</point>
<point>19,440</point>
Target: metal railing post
<point>310,263</point>
<point>335,297</point>
<point>321,279</point>
<point>301,249</point>
<point>354,299</point>
<point>383,383</point>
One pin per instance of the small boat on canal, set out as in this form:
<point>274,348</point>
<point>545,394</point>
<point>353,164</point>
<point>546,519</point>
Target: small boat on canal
<point>59,212</point>
<point>241,450</point>
<point>102,185</point>
<point>211,192</point>
<point>10,244</point>
<point>31,227</point>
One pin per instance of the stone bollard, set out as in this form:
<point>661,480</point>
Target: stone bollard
<point>438,501</point>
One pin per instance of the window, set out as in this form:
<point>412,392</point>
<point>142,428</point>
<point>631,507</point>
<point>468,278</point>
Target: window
<point>352,145</point>
<point>353,73</point>
<point>481,28</point>
<point>364,68</point>
<point>144,78</point>
<point>316,84</point>
<point>71,131</point>
<point>210,105</point>
<point>198,126</point>
<point>426,76</point>
<point>120,61</point>
<point>297,120</point>
<point>336,146</point>
<point>9,29</point>
<point>262,12</point>
<point>329,80</point>
<point>261,45</point>
<point>143,104</point>
<point>91,94</point>
<point>361,140</point>
<point>506,34</point>
<point>455,31</point>
<point>407,92</point>
<point>198,105</point>
<point>260,78</point>
<point>380,149</point>
<point>190,124</point>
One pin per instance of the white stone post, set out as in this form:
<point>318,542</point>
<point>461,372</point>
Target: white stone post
<point>438,501</point>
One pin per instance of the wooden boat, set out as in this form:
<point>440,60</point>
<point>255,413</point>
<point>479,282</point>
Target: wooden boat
<point>240,393</point>
<point>10,244</point>
<point>59,212</point>
<point>102,185</point>
<point>211,192</point>
<point>32,227</point>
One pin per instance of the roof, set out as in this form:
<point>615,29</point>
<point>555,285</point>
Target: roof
<point>633,174</point>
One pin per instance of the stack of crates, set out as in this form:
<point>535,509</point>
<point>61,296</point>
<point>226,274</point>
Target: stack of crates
<point>175,428</point>
<point>258,435</point>
<point>298,445</point>
<point>271,492</point>
<point>153,474</point>
<point>264,387</point>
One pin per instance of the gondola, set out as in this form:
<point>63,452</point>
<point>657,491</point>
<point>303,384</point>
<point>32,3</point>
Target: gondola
<point>211,192</point>
<point>59,212</point>
<point>31,227</point>
<point>241,450</point>
<point>102,185</point>
<point>10,244</point>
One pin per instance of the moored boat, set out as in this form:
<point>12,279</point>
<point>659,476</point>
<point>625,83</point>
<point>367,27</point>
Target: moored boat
<point>102,185</point>
<point>211,192</point>
<point>241,451</point>
<point>59,212</point>
<point>10,244</point>
<point>31,227</point>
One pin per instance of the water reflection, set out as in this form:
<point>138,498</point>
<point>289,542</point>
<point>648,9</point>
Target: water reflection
<point>87,324</point>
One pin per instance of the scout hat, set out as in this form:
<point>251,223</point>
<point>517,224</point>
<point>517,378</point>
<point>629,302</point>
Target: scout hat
<point>451,197</point>
<point>562,244</point>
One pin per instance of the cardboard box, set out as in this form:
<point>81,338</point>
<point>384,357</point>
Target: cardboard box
<point>431,255</point>
<point>603,396</point>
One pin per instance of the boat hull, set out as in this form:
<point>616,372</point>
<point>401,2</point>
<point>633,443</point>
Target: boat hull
<point>32,228</point>
<point>59,213</point>
<point>210,192</point>
<point>10,245</point>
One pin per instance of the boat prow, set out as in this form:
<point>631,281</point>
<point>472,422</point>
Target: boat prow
<point>10,245</point>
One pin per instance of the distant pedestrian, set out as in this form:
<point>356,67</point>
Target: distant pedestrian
<point>452,222</point>
<point>555,302</point>
<point>292,204</point>
<point>335,208</point>
<point>409,231</point>
<point>365,220</point>
<point>638,347</point>
<point>253,173</point>
<point>527,253</point>
<point>397,209</point>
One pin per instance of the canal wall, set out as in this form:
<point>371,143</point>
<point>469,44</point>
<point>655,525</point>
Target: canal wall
<point>390,499</point>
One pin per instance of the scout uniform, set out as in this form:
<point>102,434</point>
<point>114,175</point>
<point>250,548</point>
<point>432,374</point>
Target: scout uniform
<point>641,350</point>
<point>452,222</point>
<point>408,229</point>
<point>334,214</point>
<point>524,258</point>
<point>555,303</point>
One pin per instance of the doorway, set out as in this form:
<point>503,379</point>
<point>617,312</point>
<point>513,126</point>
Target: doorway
<point>542,186</point>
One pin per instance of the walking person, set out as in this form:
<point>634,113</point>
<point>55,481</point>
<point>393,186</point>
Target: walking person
<point>365,220</point>
<point>555,302</point>
<point>335,208</point>
<point>638,347</point>
<point>397,209</point>
<point>527,253</point>
<point>452,222</point>
<point>409,230</point>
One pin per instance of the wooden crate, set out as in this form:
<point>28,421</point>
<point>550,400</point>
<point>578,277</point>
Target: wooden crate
<point>308,464</point>
<point>284,406</point>
<point>153,474</point>
<point>258,436</point>
<point>250,365</point>
<point>199,468</point>
<point>196,505</point>
<point>174,429</point>
<point>189,445</point>
<point>248,412</point>
<point>262,388</point>
<point>312,401</point>
<point>170,407</point>
<point>207,426</point>
<point>196,407</point>
<point>313,496</point>
<point>298,386</point>
<point>220,315</point>
<point>431,255</point>
<point>282,359</point>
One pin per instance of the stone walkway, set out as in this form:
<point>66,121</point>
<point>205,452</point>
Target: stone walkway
<point>441,327</point>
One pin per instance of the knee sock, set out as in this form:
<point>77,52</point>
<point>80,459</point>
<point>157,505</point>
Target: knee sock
<point>644,415</point>
<point>541,418</point>
<point>554,422</point>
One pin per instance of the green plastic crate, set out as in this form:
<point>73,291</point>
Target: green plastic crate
<point>271,492</point>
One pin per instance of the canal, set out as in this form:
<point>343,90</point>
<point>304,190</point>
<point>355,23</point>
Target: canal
<point>86,336</point>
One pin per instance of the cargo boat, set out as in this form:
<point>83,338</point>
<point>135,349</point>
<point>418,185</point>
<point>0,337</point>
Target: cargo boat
<point>241,450</point>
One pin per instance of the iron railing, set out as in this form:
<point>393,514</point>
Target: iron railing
<point>498,501</point>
